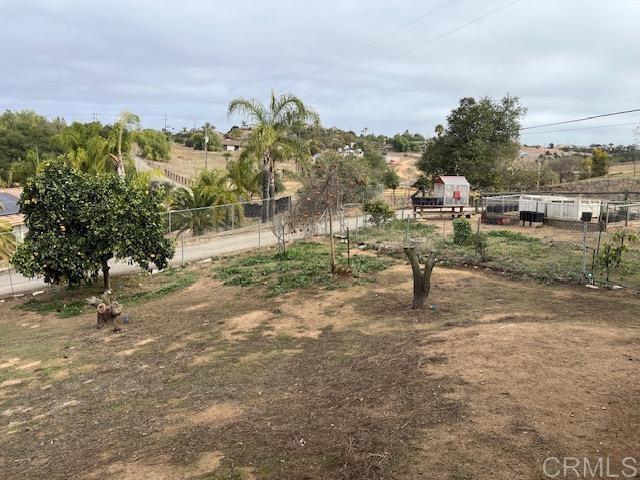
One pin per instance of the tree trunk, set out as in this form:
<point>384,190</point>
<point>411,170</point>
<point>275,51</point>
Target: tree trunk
<point>272,192</point>
<point>105,275</point>
<point>332,250</point>
<point>421,279</point>
<point>266,181</point>
<point>119,160</point>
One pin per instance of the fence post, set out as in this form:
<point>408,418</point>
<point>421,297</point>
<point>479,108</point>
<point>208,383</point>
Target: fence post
<point>406,232</point>
<point>626,220</point>
<point>182,247</point>
<point>233,213</point>
<point>584,251</point>
<point>356,230</point>
<point>348,249</point>
<point>259,231</point>
<point>169,222</point>
<point>11,282</point>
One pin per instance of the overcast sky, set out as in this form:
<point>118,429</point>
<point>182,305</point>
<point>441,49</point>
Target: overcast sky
<point>187,59</point>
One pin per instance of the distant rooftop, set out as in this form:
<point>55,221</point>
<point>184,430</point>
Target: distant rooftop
<point>9,199</point>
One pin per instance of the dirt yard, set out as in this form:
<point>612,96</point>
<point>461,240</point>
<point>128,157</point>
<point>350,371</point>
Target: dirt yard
<point>188,162</point>
<point>215,382</point>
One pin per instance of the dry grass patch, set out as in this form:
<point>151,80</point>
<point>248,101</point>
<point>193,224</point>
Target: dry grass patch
<point>346,383</point>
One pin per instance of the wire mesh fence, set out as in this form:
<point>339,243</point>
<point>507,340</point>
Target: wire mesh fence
<point>8,244</point>
<point>603,250</point>
<point>572,238</point>
<point>558,246</point>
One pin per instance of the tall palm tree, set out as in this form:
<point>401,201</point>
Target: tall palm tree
<point>125,123</point>
<point>272,139</point>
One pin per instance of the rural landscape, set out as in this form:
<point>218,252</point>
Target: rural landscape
<point>269,295</point>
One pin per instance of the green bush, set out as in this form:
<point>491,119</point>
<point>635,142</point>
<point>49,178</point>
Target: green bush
<point>513,236</point>
<point>480,245</point>
<point>379,212</point>
<point>461,231</point>
<point>154,145</point>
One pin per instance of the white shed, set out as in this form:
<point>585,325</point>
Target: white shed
<point>452,189</point>
<point>560,208</point>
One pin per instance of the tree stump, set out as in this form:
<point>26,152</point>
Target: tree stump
<point>421,278</point>
<point>107,311</point>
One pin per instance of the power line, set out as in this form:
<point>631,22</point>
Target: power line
<point>583,119</point>
<point>421,45</point>
<point>612,125</point>
<point>370,44</point>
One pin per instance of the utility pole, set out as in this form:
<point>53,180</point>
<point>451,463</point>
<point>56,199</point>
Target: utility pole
<point>206,141</point>
<point>165,122</point>
<point>539,162</point>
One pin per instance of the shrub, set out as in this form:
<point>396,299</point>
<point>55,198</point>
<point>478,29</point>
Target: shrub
<point>514,237</point>
<point>461,231</point>
<point>480,244</point>
<point>154,145</point>
<point>379,212</point>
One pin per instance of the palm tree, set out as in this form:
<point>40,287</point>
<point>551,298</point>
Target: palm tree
<point>93,158</point>
<point>125,123</point>
<point>272,138</point>
<point>209,204</point>
<point>195,211</point>
<point>244,177</point>
<point>28,167</point>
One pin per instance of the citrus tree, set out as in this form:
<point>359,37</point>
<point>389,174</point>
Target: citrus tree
<point>78,222</point>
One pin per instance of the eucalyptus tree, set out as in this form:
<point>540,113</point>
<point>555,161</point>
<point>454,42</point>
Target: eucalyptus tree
<point>273,137</point>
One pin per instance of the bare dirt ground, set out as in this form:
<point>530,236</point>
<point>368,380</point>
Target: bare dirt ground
<point>188,162</point>
<point>219,382</point>
<point>405,165</point>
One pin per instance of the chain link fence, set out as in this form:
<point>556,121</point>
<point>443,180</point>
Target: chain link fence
<point>591,241</point>
<point>555,246</point>
<point>8,244</point>
<point>540,238</point>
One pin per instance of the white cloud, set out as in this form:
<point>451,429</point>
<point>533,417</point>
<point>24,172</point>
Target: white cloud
<point>564,58</point>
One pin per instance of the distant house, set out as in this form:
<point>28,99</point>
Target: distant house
<point>11,212</point>
<point>232,145</point>
<point>350,150</point>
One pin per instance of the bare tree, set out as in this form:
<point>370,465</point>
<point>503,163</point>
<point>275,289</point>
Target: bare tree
<point>326,185</point>
<point>421,276</point>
